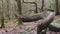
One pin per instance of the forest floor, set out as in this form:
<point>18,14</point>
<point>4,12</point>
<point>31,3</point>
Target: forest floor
<point>25,28</point>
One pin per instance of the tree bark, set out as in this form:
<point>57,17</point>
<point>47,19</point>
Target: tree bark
<point>19,10</point>
<point>2,17</point>
<point>42,5</point>
<point>35,17</point>
<point>2,21</point>
<point>19,6</point>
<point>45,23</point>
<point>57,10</point>
<point>30,18</point>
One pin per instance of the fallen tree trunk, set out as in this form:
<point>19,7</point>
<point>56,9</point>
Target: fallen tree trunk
<point>49,16</point>
<point>30,18</point>
<point>35,17</point>
<point>45,23</point>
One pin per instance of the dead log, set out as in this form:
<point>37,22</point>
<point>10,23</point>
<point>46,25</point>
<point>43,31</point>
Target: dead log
<point>49,16</point>
<point>30,18</point>
<point>45,23</point>
<point>35,17</point>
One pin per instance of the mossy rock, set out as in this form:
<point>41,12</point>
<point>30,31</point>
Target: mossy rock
<point>55,26</point>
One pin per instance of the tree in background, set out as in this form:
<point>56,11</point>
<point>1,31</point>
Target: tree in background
<point>57,10</point>
<point>19,5</point>
<point>2,15</point>
<point>19,10</point>
<point>42,5</point>
<point>2,21</point>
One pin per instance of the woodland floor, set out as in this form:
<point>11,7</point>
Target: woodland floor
<point>25,28</point>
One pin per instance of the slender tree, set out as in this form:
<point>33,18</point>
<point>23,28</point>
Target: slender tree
<point>42,5</point>
<point>36,6</point>
<point>19,9</point>
<point>2,21</point>
<point>19,6</point>
<point>2,17</point>
<point>8,9</point>
<point>57,11</point>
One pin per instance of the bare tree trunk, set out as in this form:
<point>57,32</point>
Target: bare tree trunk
<point>42,5</point>
<point>19,6</point>
<point>2,20</point>
<point>19,9</point>
<point>45,23</point>
<point>57,11</point>
<point>30,18</point>
<point>8,9</point>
